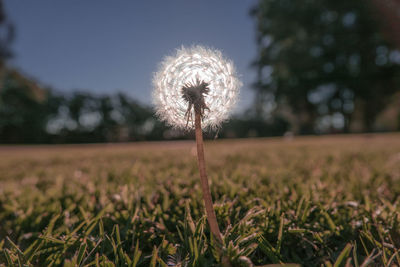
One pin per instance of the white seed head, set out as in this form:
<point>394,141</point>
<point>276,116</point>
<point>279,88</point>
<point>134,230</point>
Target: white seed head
<point>188,66</point>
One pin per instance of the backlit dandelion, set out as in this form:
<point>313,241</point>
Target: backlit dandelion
<point>197,82</point>
<point>192,67</point>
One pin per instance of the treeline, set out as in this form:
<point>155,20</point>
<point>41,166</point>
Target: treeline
<point>31,114</point>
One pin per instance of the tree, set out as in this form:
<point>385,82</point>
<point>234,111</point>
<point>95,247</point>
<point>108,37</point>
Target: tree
<point>324,59</point>
<point>24,110</point>
<point>138,119</point>
<point>6,37</point>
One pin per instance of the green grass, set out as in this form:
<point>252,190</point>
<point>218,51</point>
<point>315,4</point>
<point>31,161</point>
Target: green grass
<point>322,201</point>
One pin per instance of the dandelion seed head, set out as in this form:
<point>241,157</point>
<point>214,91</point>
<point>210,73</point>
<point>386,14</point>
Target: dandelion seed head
<point>188,66</point>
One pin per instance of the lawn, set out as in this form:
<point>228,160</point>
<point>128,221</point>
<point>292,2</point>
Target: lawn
<point>314,201</point>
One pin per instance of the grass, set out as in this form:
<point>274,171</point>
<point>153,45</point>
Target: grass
<point>314,201</point>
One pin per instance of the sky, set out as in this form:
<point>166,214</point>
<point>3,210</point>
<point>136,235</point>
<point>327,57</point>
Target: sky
<point>104,46</point>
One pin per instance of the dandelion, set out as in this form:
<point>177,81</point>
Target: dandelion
<point>177,79</point>
<point>197,81</point>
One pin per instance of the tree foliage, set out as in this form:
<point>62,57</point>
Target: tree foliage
<point>324,58</point>
<point>23,109</point>
<point>32,114</point>
<point>6,36</point>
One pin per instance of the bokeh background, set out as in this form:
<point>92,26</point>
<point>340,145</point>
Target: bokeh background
<point>80,71</point>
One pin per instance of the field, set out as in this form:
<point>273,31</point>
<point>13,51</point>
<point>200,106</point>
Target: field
<point>314,201</point>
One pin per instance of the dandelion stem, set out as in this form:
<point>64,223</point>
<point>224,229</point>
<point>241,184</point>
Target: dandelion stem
<point>212,219</point>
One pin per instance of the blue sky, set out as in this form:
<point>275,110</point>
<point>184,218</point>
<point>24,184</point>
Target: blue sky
<point>107,46</point>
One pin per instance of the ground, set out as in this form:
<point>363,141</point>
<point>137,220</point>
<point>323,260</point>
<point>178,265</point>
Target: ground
<point>313,201</point>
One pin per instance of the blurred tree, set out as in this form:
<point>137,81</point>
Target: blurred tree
<point>251,126</point>
<point>139,120</point>
<point>7,35</point>
<point>107,125</point>
<point>323,59</point>
<point>79,104</point>
<point>24,109</point>
<point>84,117</point>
